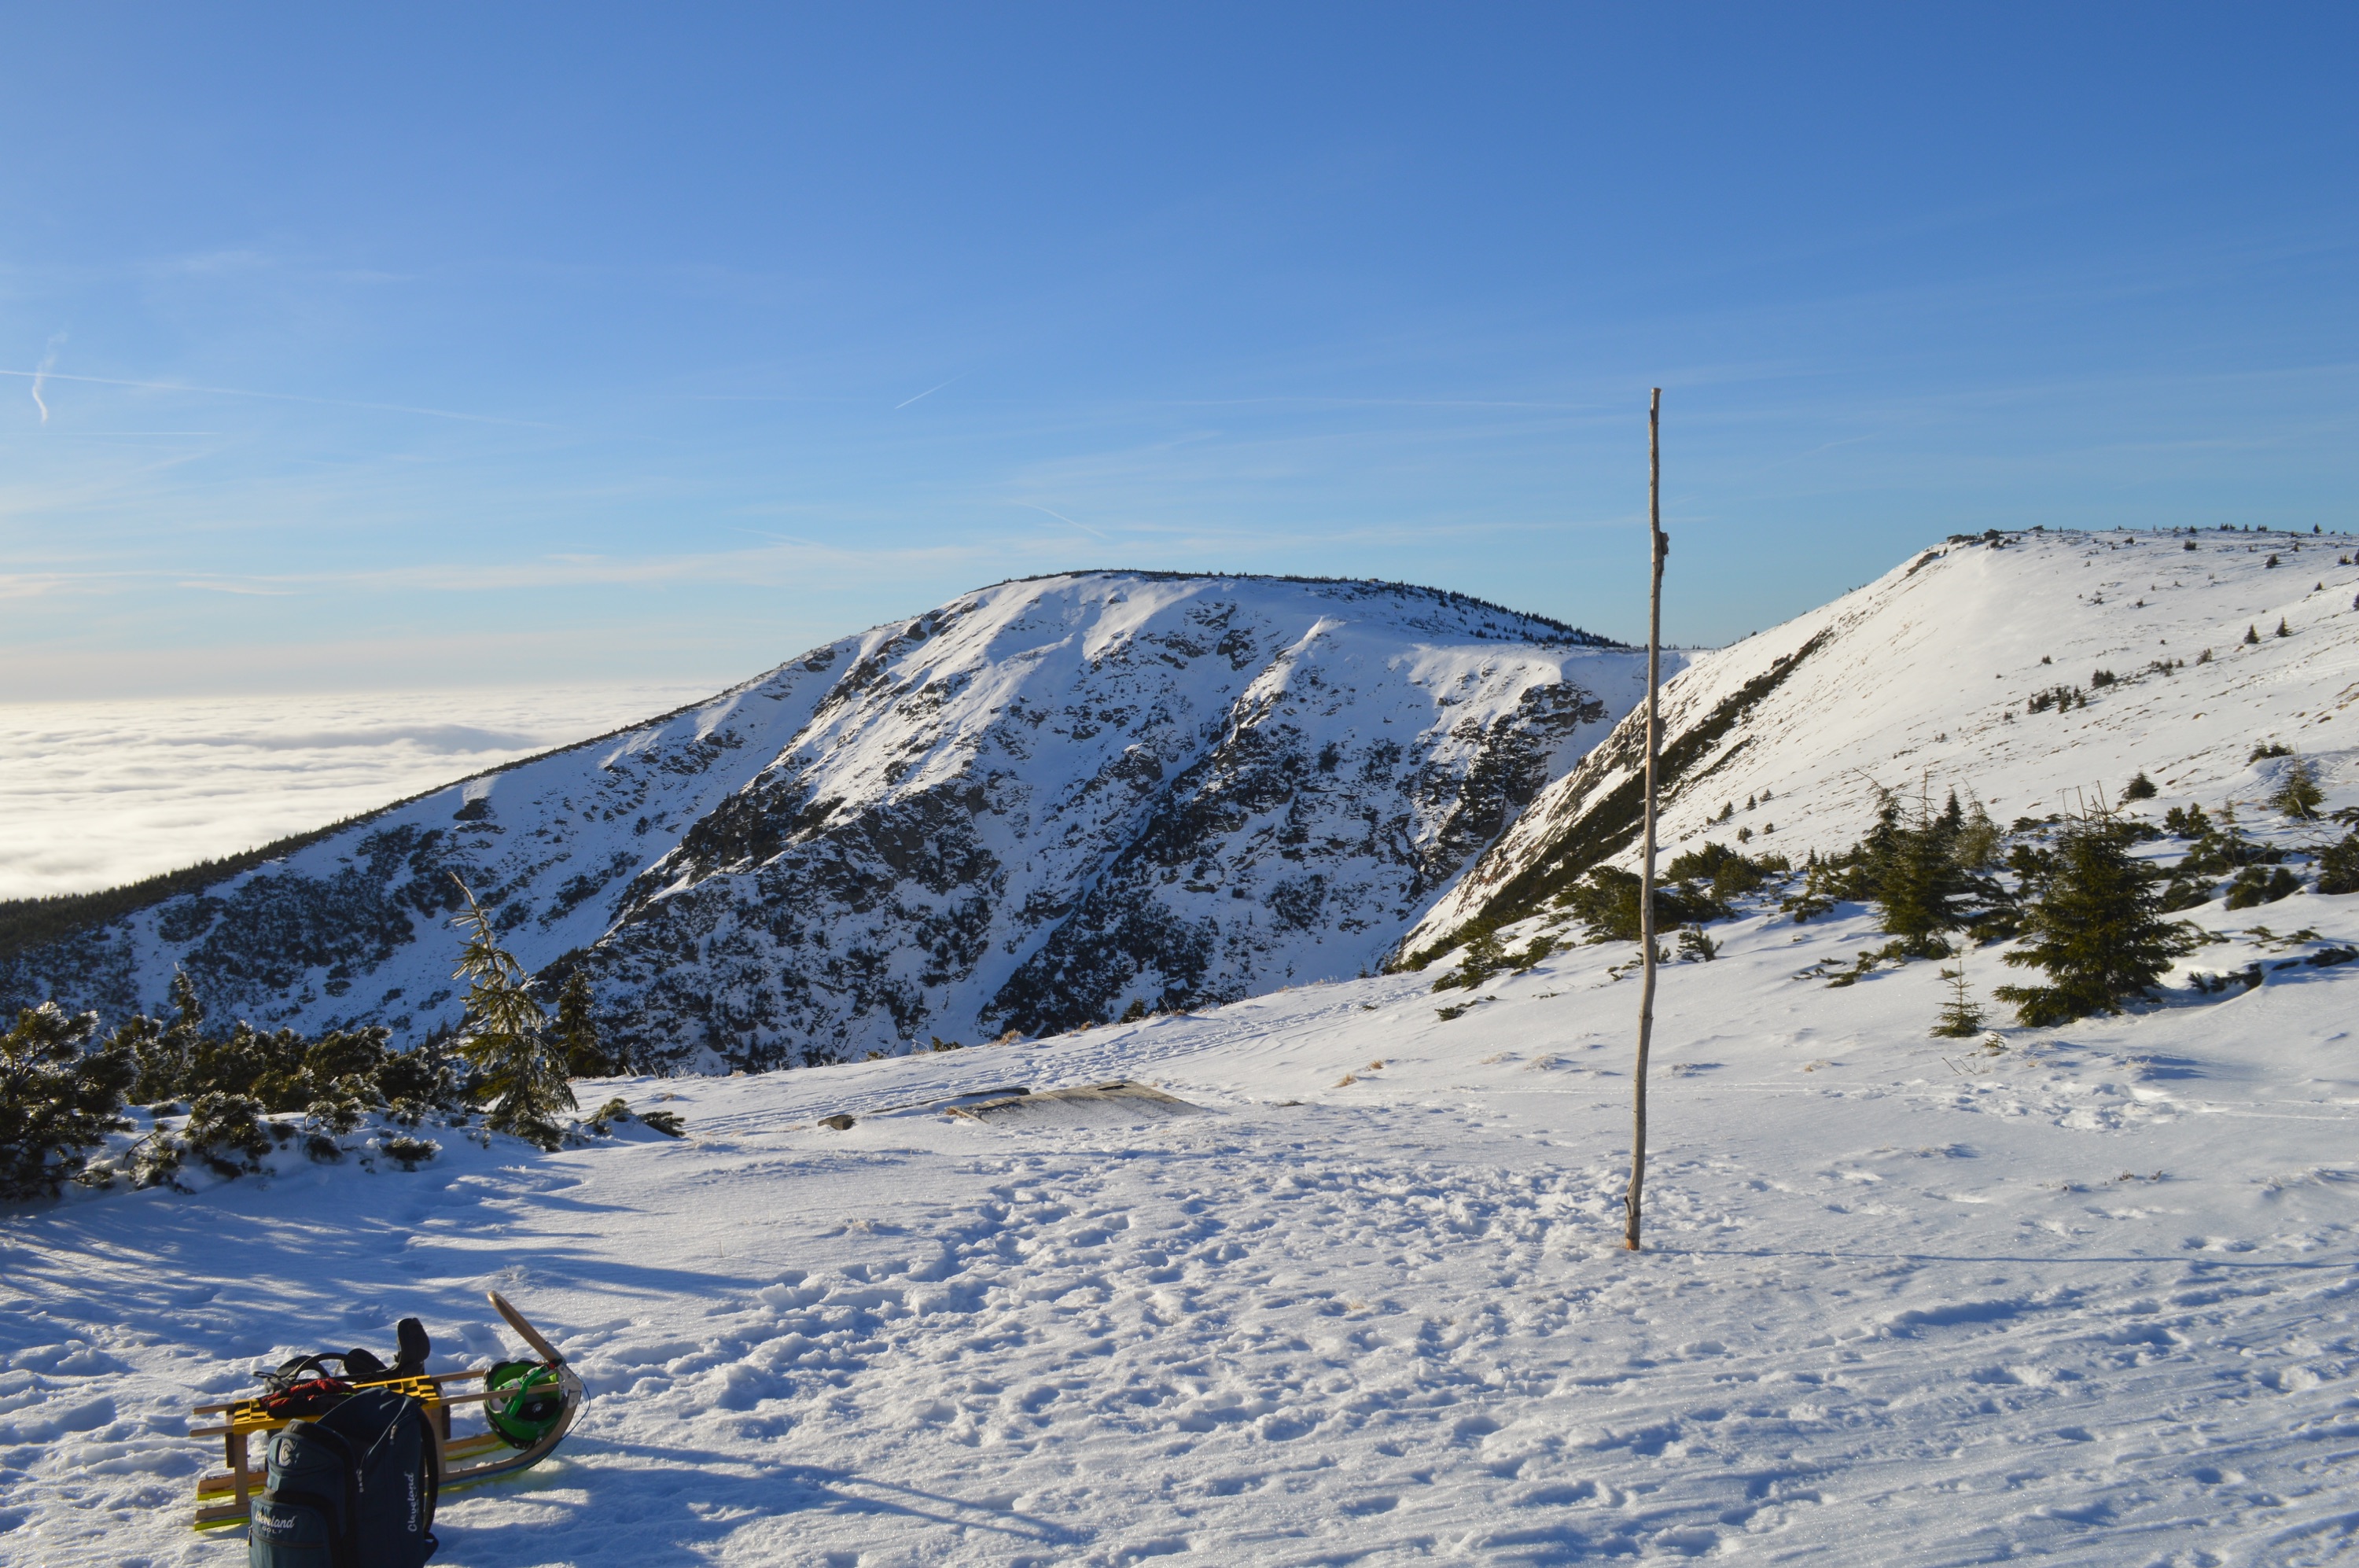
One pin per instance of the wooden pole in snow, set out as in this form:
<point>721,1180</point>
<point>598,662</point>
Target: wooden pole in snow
<point>1661,547</point>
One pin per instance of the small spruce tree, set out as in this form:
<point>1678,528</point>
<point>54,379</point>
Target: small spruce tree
<point>2140,787</point>
<point>2298,794</point>
<point>2283,630</point>
<point>2338,866</point>
<point>2097,929</point>
<point>1913,874</point>
<point>519,1069</point>
<point>1978,841</point>
<point>576,1032</point>
<point>2252,636</point>
<point>1961,1016</point>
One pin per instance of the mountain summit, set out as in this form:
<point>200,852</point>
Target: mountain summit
<point>1043,804</point>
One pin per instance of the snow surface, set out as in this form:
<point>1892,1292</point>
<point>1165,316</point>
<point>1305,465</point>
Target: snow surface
<point>2085,1295</point>
<point>2088,1298</point>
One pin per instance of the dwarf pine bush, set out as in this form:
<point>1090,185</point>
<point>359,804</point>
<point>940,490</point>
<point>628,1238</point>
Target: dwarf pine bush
<point>2258,885</point>
<point>59,1098</point>
<point>1606,901</point>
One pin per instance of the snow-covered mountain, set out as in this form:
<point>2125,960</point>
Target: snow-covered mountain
<point>2083,1294</point>
<point>1925,680</point>
<point>1030,809</point>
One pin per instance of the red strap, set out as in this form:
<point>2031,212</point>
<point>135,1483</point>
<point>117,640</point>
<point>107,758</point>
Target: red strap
<point>314,1397</point>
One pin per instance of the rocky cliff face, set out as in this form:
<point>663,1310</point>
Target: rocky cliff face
<point>1033,808</point>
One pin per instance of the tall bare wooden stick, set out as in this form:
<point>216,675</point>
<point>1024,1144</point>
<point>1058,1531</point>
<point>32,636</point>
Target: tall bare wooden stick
<point>1661,547</point>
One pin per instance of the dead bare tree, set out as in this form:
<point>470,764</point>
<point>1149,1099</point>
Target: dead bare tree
<point>1661,547</point>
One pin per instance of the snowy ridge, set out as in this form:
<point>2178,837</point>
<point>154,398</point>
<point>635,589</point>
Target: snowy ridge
<point>1031,808</point>
<point>1921,681</point>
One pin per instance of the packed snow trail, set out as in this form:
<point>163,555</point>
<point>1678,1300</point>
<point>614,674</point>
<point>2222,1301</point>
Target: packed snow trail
<point>2087,1298</point>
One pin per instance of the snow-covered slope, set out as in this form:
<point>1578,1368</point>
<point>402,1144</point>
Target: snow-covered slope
<point>2084,1295</point>
<point>1923,680</point>
<point>2088,1298</point>
<point>1031,808</point>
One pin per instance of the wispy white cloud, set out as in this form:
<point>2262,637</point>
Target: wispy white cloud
<point>786,561</point>
<point>253,590</point>
<point>213,262</point>
<point>233,263</point>
<point>41,374</point>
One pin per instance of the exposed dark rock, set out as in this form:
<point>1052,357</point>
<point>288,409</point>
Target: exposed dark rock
<point>1043,804</point>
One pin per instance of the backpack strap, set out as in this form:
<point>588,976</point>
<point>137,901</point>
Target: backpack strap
<point>433,1453</point>
<point>353,1461</point>
<point>294,1371</point>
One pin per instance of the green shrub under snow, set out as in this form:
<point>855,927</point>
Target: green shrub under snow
<point>60,1096</point>
<point>249,1091</point>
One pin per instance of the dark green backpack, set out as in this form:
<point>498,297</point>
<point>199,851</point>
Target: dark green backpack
<point>353,1489</point>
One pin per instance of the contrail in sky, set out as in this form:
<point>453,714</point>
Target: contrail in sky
<point>929,391</point>
<point>1062,518</point>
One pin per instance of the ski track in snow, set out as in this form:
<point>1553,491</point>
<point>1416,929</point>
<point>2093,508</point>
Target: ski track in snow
<point>2089,1298</point>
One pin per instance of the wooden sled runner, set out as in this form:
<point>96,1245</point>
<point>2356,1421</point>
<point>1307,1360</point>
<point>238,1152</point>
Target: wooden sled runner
<point>224,1498</point>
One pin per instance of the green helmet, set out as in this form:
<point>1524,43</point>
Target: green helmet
<point>525,1401</point>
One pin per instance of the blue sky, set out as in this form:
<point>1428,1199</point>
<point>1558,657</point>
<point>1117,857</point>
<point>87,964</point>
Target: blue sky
<point>511,343</point>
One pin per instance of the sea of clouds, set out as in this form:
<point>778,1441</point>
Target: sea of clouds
<point>93,794</point>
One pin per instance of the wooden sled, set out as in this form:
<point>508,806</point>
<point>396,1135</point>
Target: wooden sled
<point>225,1498</point>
